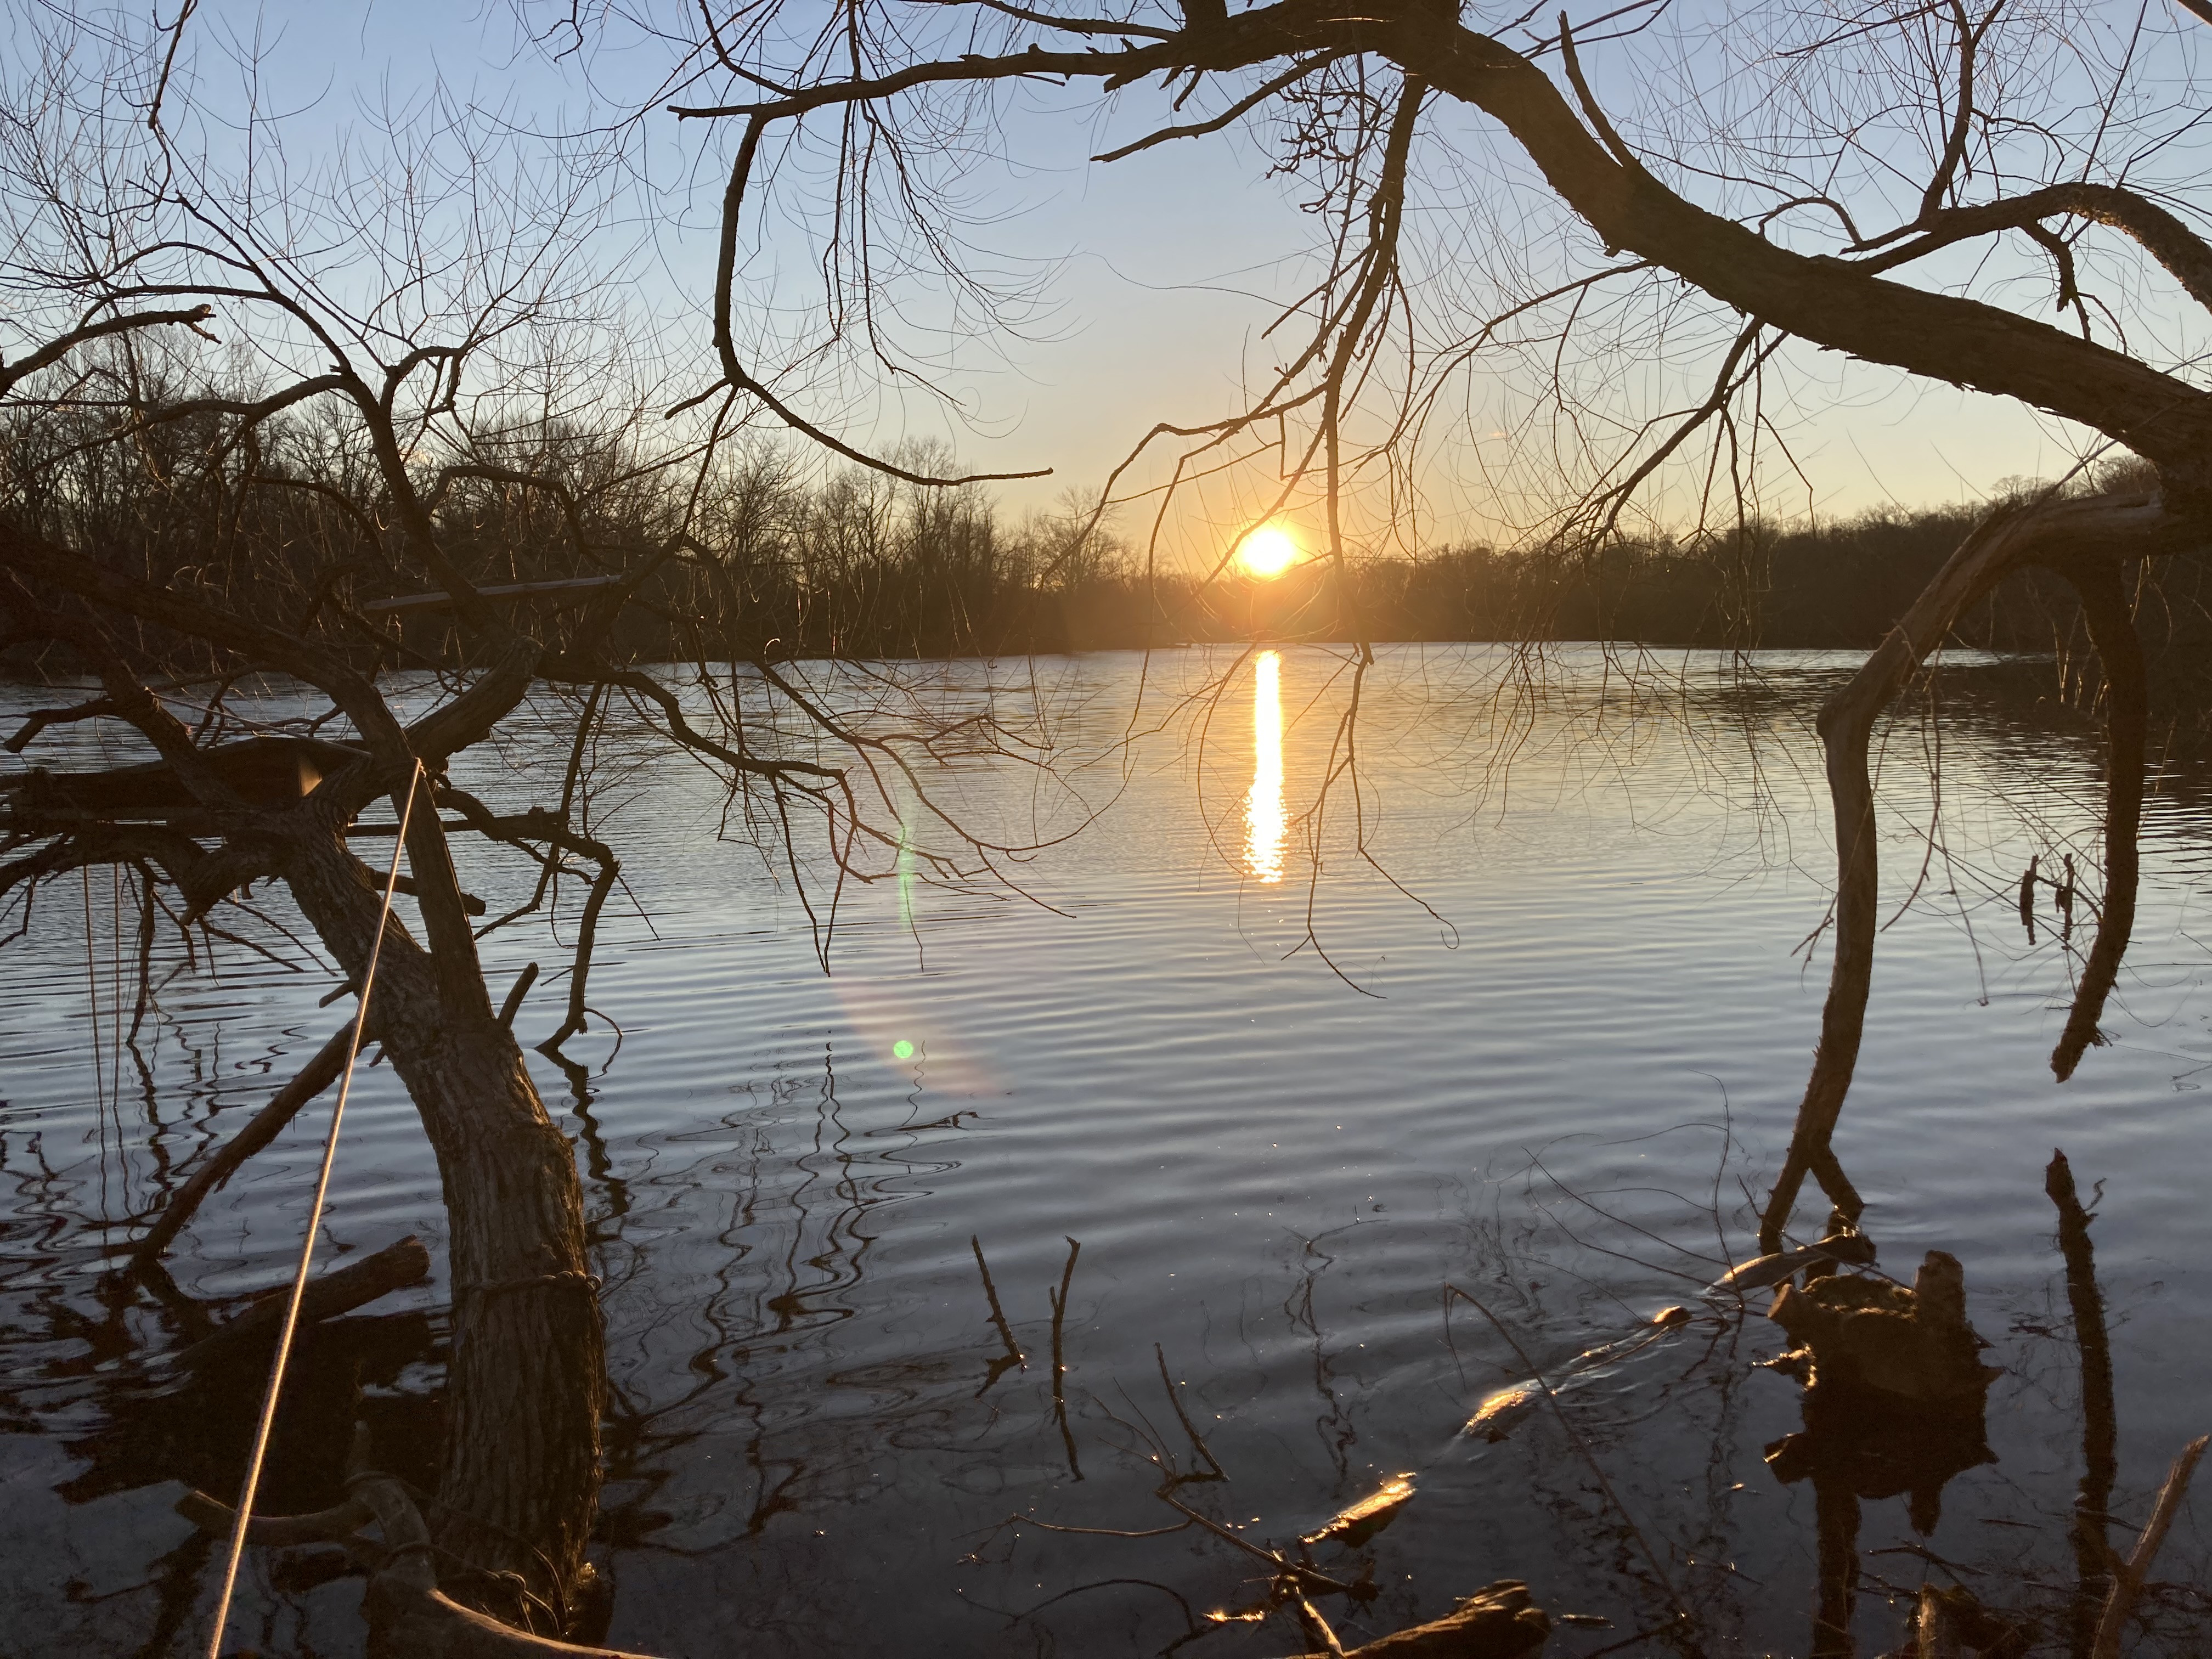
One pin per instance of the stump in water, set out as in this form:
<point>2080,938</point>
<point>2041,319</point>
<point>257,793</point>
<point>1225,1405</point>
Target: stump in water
<point>1894,1395</point>
<point>1859,1334</point>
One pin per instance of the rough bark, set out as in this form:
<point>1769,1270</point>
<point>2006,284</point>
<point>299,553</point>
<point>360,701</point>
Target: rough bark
<point>525,1388</point>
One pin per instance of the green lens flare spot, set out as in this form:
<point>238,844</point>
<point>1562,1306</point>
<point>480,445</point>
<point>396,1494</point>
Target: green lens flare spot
<point>903,1048</point>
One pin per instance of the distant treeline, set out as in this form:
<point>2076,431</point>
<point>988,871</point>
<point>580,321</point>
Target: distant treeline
<point>758,557</point>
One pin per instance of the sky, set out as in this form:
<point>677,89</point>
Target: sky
<point>1157,276</point>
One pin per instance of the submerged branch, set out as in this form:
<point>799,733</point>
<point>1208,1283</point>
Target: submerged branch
<point>2101,528</point>
<point>321,1071</point>
<point>2100,1466</point>
<point>2127,720</point>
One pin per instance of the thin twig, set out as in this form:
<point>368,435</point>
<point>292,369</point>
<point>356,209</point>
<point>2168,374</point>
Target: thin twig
<point>2129,1575</point>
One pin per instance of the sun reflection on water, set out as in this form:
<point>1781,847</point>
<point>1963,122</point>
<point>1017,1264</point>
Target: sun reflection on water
<point>1265,823</point>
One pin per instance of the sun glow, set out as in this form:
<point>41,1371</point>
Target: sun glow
<point>1266,553</point>
<point>1265,821</point>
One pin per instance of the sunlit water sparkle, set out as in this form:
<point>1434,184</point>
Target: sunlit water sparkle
<point>1265,822</point>
<point>1567,1019</point>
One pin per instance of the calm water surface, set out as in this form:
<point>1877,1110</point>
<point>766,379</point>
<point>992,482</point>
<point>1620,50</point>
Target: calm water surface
<point>1540,1048</point>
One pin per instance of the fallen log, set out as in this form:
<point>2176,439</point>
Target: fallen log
<point>264,771</point>
<point>1498,1622</point>
<point>565,588</point>
<point>392,1268</point>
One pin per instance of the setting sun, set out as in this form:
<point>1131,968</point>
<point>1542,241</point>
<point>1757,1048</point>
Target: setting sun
<point>1266,553</point>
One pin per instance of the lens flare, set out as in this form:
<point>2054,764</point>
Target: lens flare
<point>1265,821</point>
<point>1266,553</point>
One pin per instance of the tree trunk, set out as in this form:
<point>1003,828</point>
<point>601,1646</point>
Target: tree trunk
<point>525,1385</point>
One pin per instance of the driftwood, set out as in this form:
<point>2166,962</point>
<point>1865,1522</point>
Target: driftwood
<point>1856,1249</point>
<point>1893,1402</point>
<point>321,1071</point>
<point>1498,1413</point>
<point>1355,1524</point>
<point>392,1268</point>
<point>334,1525</point>
<point>1499,1622</point>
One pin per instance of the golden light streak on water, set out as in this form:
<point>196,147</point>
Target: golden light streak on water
<point>1265,822</point>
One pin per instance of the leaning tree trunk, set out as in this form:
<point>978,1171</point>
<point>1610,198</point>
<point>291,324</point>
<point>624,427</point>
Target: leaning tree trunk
<point>2084,540</point>
<point>526,1380</point>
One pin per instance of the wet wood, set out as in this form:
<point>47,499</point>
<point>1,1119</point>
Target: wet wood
<point>392,1268</point>
<point>1948,1622</point>
<point>2127,723</point>
<point>1355,1524</point>
<point>1498,1622</point>
<point>415,1618</point>
<point>526,1376</point>
<point>1059,1299</point>
<point>1935,1633</point>
<point>1856,1249</point>
<point>515,992</point>
<point>334,1525</point>
<point>264,771</point>
<point>1867,1333</point>
<point>2100,1463</point>
<point>1012,1356</point>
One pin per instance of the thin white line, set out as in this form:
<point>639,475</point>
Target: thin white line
<point>307,1244</point>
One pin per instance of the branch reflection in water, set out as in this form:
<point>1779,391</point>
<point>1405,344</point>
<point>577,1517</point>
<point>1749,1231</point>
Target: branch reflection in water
<point>1269,1180</point>
<point>1265,821</point>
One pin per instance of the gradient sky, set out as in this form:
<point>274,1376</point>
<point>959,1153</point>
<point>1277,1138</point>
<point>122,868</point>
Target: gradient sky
<point>1159,272</point>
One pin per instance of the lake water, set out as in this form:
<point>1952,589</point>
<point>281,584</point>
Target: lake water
<point>1540,1047</point>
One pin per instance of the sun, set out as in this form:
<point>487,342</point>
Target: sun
<point>1266,553</point>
